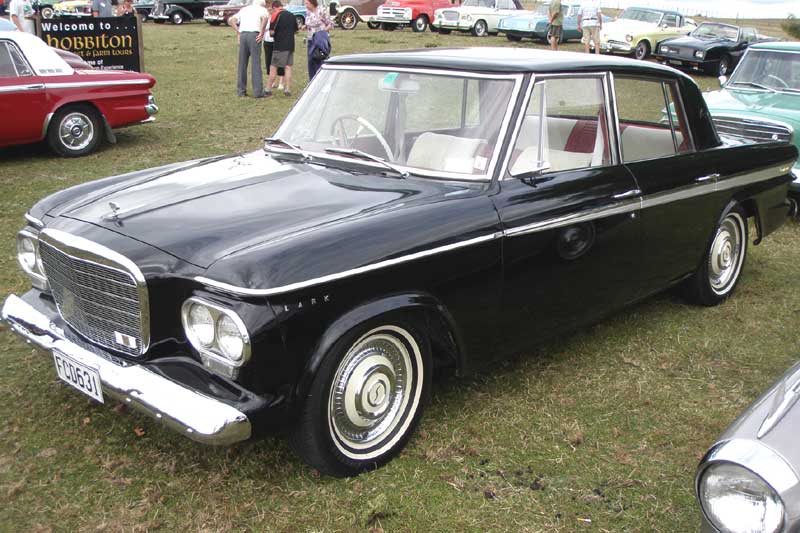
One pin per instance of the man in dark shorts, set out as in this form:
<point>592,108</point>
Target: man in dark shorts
<point>556,28</point>
<point>283,30</point>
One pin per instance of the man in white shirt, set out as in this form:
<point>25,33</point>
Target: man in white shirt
<point>21,12</point>
<point>590,22</point>
<point>250,23</point>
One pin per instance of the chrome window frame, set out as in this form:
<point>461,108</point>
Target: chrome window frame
<point>494,162</point>
<point>13,45</point>
<point>606,78</point>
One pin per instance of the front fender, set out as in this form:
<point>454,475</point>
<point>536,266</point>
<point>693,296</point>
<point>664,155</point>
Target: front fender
<point>411,301</point>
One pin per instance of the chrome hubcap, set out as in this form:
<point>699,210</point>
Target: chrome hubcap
<point>725,259</point>
<point>76,131</point>
<point>372,390</point>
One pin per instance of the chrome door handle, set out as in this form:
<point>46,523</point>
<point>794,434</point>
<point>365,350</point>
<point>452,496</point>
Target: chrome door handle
<point>628,194</point>
<point>34,86</point>
<point>710,177</point>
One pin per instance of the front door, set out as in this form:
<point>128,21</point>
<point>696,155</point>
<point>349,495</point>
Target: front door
<point>571,247</point>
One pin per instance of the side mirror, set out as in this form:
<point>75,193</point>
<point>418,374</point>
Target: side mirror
<point>722,80</point>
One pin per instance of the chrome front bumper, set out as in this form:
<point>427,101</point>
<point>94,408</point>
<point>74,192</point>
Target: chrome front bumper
<point>615,46</point>
<point>196,416</point>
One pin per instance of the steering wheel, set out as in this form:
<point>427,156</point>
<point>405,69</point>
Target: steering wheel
<point>776,78</point>
<point>340,133</point>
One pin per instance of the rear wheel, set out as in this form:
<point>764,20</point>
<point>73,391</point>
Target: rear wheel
<point>47,12</point>
<point>719,272</point>
<point>349,20</point>
<point>301,20</point>
<point>74,131</point>
<point>176,18</point>
<point>480,29</point>
<point>373,25</point>
<point>420,24</point>
<point>366,398</point>
<point>724,66</point>
<point>642,50</point>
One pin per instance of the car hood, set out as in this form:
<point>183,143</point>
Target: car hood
<point>697,44</point>
<point>212,209</point>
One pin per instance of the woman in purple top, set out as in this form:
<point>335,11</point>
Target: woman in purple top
<point>318,24</point>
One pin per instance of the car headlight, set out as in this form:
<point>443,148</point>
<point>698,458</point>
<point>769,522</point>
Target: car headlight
<point>468,18</point>
<point>29,259</point>
<point>665,49</point>
<point>629,38</point>
<point>699,54</point>
<point>218,334</point>
<point>735,499</point>
<point>407,12</point>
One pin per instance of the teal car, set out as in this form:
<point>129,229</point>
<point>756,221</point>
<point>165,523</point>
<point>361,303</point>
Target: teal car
<point>761,100</point>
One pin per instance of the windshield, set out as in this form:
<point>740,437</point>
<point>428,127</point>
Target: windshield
<point>779,71</point>
<point>716,31</point>
<point>477,3</point>
<point>439,125</point>
<point>642,15</point>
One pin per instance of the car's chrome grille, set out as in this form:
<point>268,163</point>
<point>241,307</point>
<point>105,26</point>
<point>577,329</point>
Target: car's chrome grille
<point>756,130</point>
<point>393,12</point>
<point>450,15</point>
<point>99,299</point>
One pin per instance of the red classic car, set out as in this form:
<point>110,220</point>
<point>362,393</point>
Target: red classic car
<point>44,97</point>
<point>416,13</point>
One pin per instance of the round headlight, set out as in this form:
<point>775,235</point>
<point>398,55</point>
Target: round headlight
<point>736,500</point>
<point>467,17</point>
<point>230,338</point>
<point>26,253</point>
<point>629,38</point>
<point>699,54</point>
<point>664,49</point>
<point>200,324</point>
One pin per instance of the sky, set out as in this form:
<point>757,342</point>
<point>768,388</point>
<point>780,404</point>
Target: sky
<point>719,8</point>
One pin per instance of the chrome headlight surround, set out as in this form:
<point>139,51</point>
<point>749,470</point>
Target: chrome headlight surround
<point>629,38</point>
<point>466,17</point>
<point>227,349</point>
<point>699,54</point>
<point>664,49</point>
<point>29,259</point>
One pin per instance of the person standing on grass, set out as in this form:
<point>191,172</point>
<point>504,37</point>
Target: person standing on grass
<point>318,24</point>
<point>281,71</point>
<point>249,24</point>
<point>556,28</point>
<point>268,43</point>
<point>102,8</point>
<point>590,22</point>
<point>282,31</point>
<point>21,12</point>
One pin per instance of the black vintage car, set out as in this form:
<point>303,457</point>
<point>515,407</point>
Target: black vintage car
<point>179,11</point>
<point>478,201</point>
<point>713,47</point>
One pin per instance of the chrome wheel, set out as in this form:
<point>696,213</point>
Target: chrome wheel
<point>726,254</point>
<point>76,131</point>
<point>724,65</point>
<point>375,392</point>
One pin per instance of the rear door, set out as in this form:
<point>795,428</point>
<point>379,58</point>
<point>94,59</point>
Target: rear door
<point>572,239</point>
<point>23,100</point>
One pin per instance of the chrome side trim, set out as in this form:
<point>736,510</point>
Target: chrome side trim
<point>243,291</point>
<point>107,83</point>
<point>93,252</point>
<point>22,87</point>
<point>33,221</point>
<point>616,208</point>
<point>196,416</point>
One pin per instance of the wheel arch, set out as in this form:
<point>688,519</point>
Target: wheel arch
<point>428,313</point>
<point>107,130</point>
<point>182,9</point>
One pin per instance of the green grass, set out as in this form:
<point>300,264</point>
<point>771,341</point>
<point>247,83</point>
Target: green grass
<point>606,424</point>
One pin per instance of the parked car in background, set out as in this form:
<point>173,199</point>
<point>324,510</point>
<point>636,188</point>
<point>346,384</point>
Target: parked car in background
<point>761,100</point>
<point>639,30</point>
<point>480,17</point>
<point>714,48</point>
<point>348,13</point>
<point>749,480</point>
<point>179,11</point>
<point>415,13</point>
<point>44,98</point>
<point>45,8</point>
<point>143,8</point>
<point>220,13</point>
<point>73,8</point>
<point>298,9</point>
<point>474,202</point>
<point>534,24</point>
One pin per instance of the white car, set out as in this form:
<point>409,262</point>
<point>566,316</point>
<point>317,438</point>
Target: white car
<point>638,30</point>
<point>480,17</point>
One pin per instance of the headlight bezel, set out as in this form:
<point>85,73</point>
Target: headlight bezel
<point>36,272</point>
<point>769,492</point>
<point>213,356</point>
<point>629,38</point>
<point>699,54</point>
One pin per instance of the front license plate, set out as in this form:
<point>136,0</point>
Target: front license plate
<point>80,376</point>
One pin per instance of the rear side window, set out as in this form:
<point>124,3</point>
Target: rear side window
<point>670,21</point>
<point>12,64</point>
<point>651,119</point>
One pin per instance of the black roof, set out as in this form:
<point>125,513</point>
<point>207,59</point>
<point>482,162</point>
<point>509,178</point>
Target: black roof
<point>504,60</point>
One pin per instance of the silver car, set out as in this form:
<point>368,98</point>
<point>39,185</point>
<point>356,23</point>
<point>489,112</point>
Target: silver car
<point>749,480</point>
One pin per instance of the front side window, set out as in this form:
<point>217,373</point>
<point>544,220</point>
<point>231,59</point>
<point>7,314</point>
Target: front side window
<point>641,15</point>
<point>478,3</point>
<point>429,123</point>
<point>564,127</point>
<point>651,119</point>
<point>670,21</point>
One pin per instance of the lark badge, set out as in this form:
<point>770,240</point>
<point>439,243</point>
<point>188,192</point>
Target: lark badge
<point>125,340</point>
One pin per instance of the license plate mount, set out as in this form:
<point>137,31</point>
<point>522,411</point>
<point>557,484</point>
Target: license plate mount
<point>78,375</point>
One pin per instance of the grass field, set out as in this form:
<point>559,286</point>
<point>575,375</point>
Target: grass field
<point>599,431</point>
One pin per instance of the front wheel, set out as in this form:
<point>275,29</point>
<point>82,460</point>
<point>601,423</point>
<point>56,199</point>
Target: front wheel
<point>373,25</point>
<point>642,50</point>
<point>724,66</point>
<point>480,29</point>
<point>176,18</point>
<point>366,398</point>
<point>420,24</point>
<point>719,272</point>
<point>74,131</point>
<point>349,20</point>
<point>47,12</point>
<point>301,20</point>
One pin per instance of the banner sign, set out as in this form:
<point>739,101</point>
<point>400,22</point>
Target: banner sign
<point>111,43</point>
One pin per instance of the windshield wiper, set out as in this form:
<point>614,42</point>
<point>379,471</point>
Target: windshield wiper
<point>754,84</point>
<point>354,152</point>
<point>272,141</point>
